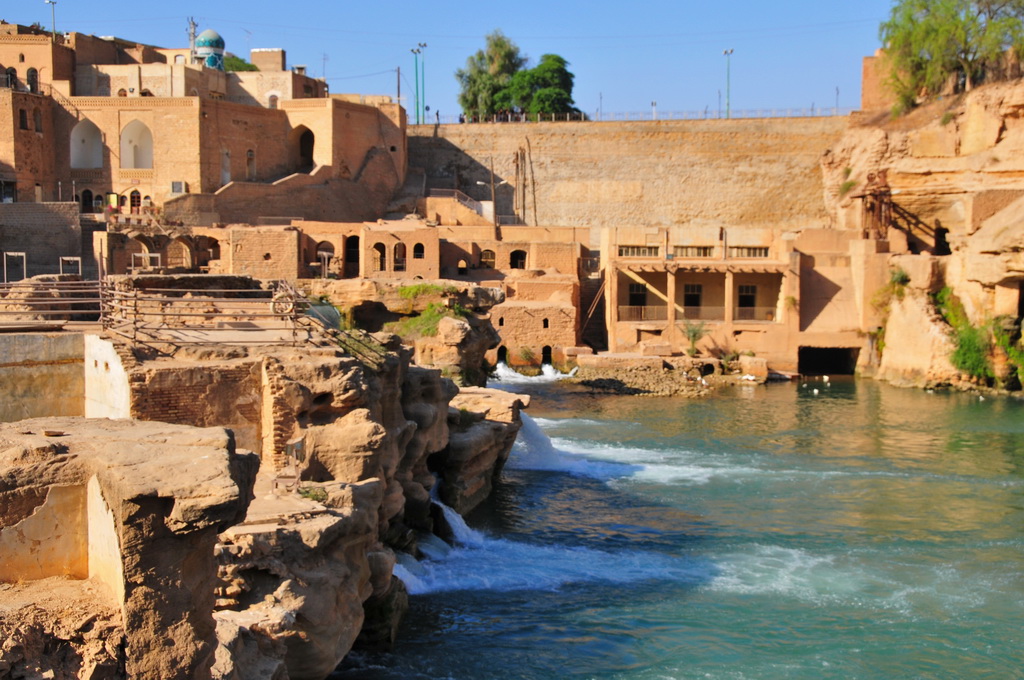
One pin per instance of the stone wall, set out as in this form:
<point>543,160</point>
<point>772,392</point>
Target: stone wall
<point>41,375</point>
<point>758,172</point>
<point>45,232</point>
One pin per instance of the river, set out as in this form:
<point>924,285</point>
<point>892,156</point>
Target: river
<point>841,529</point>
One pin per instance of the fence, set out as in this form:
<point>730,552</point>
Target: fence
<point>48,302</point>
<point>639,116</point>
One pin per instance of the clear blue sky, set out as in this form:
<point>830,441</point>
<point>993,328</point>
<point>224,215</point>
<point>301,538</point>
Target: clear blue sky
<point>788,53</point>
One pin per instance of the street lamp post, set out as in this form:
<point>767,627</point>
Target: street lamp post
<point>728,56</point>
<point>423,83</point>
<point>53,19</point>
<point>416,76</point>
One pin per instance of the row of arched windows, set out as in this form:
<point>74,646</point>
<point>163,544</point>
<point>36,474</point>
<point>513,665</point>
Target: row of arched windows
<point>10,78</point>
<point>399,251</point>
<point>87,146</point>
<point>516,259</point>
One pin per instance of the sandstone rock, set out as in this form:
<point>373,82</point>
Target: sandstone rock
<point>153,497</point>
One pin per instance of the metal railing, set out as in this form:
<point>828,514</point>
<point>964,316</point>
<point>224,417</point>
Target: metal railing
<point>637,116</point>
<point>462,198</point>
<point>704,313</point>
<point>766,314</point>
<point>643,313</point>
<point>38,301</point>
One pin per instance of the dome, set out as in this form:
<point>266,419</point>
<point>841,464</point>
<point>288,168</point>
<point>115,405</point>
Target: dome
<point>210,38</point>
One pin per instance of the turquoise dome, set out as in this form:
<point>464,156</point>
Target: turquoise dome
<point>210,38</point>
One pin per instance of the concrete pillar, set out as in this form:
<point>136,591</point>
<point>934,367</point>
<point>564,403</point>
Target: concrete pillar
<point>730,297</point>
<point>671,288</point>
<point>611,305</point>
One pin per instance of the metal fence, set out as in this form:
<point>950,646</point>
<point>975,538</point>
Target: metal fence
<point>41,302</point>
<point>637,116</point>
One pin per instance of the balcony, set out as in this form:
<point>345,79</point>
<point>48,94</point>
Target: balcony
<point>635,313</point>
<point>763,314</point>
<point>141,174</point>
<point>704,313</point>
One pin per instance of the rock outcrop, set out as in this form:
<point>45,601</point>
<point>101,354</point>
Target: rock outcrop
<point>107,530</point>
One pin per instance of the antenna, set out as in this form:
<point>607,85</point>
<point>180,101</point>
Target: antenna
<point>325,60</point>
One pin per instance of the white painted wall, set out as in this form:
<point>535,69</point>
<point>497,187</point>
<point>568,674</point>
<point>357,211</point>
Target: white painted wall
<point>107,394</point>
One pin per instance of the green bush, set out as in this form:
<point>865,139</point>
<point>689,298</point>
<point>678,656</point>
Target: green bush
<point>424,325</point>
<point>414,291</point>
<point>972,344</point>
<point>846,186</point>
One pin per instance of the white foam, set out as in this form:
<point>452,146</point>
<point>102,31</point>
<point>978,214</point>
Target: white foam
<point>504,374</point>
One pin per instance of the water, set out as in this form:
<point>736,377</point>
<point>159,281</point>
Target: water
<point>769,532</point>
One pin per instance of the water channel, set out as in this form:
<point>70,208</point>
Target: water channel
<point>841,529</point>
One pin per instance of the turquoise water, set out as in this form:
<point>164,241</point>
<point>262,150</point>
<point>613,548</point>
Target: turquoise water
<point>768,532</point>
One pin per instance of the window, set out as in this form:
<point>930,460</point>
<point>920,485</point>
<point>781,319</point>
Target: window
<point>32,80</point>
<point>250,165</point>
<point>692,293</point>
<point>463,268</point>
<point>747,296</point>
<point>379,257</point>
<point>417,251</point>
<point>501,321</point>
<point>272,101</point>
<point>546,324</point>
<point>487,259</point>
<point>518,259</point>
<point>136,146</point>
<point>37,118</point>
<point>748,251</point>
<point>638,251</point>
<point>694,251</point>
<point>86,145</point>
<point>637,295</point>
<point>23,119</point>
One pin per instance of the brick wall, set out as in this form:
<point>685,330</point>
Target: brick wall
<point>43,231</point>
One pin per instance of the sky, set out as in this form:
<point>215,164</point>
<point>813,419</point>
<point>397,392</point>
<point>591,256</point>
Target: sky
<point>791,54</point>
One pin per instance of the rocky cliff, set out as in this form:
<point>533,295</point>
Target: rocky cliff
<point>947,181</point>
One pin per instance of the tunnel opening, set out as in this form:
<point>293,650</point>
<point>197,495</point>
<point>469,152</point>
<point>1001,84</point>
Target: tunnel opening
<point>828,360</point>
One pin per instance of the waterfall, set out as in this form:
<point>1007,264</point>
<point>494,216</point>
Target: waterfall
<point>504,374</point>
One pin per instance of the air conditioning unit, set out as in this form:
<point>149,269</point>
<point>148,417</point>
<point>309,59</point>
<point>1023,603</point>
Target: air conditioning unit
<point>179,187</point>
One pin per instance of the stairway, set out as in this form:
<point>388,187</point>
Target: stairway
<point>593,334</point>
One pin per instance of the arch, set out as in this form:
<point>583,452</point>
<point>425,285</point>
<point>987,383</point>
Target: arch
<point>418,252</point>
<point>503,355</point>
<point>352,255</point>
<point>87,201</point>
<point>98,203</point>
<point>487,259</point>
<point>517,260</point>
<point>122,92</point>
<point>206,249</point>
<point>272,101</point>
<point>145,93</point>
<point>463,268</point>
<point>302,142</point>
<point>326,248</point>
<point>380,261</point>
<point>135,201</point>
<point>12,76</point>
<point>86,145</point>
<point>37,119</point>
<point>545,354</point>
<point>179,59</point>
<point>179,253</point>
<point>399,257</point>
<point>501,321</point>
<point>32,80</point>
<point>546,323</point>
<point>21,58</point>
<point>136,146</point>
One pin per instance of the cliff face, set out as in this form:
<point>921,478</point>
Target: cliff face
<point>955,173</point>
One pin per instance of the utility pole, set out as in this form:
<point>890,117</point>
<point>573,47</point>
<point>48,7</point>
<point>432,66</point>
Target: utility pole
<point>423,83</point>
<point>53,19</point>
<point>728,58</point>
<point>416,75</point>
<point>192,26</point>
<point>398,71</point>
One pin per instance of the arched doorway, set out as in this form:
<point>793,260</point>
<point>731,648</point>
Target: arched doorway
<point>87,204</point>
<point>136,146</point>
<point>12,77</point>
<point>418,252</point>
<point>179,254</point>
<point>302,143</point>
<point>545,354</point>
<point>463,268</point>
<point>351,257</point>
<point>86,146</point>
<point>32,80</point>
<point>380,255</point>
<point>399,257</point>
<point>517,260</point>
<point>324,255</point>
<point>503,355</point>
<point>487,259</point>
<point>135,201</point>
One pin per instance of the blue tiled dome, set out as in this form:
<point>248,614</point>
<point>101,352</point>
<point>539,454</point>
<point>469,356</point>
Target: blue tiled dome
<point>210,38</point>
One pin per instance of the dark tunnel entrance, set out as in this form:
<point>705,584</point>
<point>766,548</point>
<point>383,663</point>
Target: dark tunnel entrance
<point>828,360</point>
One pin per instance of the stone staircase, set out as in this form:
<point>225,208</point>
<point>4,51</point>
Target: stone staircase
<point>593,333</point>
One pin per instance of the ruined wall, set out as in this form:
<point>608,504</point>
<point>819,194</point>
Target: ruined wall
<point>653,173</point>
<point>41,375</point>
<point>107,394</point>
<point>45,232</point>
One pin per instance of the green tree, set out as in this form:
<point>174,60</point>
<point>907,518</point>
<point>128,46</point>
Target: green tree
<point>930,41</point>
<point>546,88</point>
<point>234,63</point>
<point>487,73</point>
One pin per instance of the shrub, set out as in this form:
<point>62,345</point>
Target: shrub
<point>424,325</point>
<point>313,493</point>
<point>972,344</point>
<point>414,291</point>
<point>846,186</point>
<point>694,332</point>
